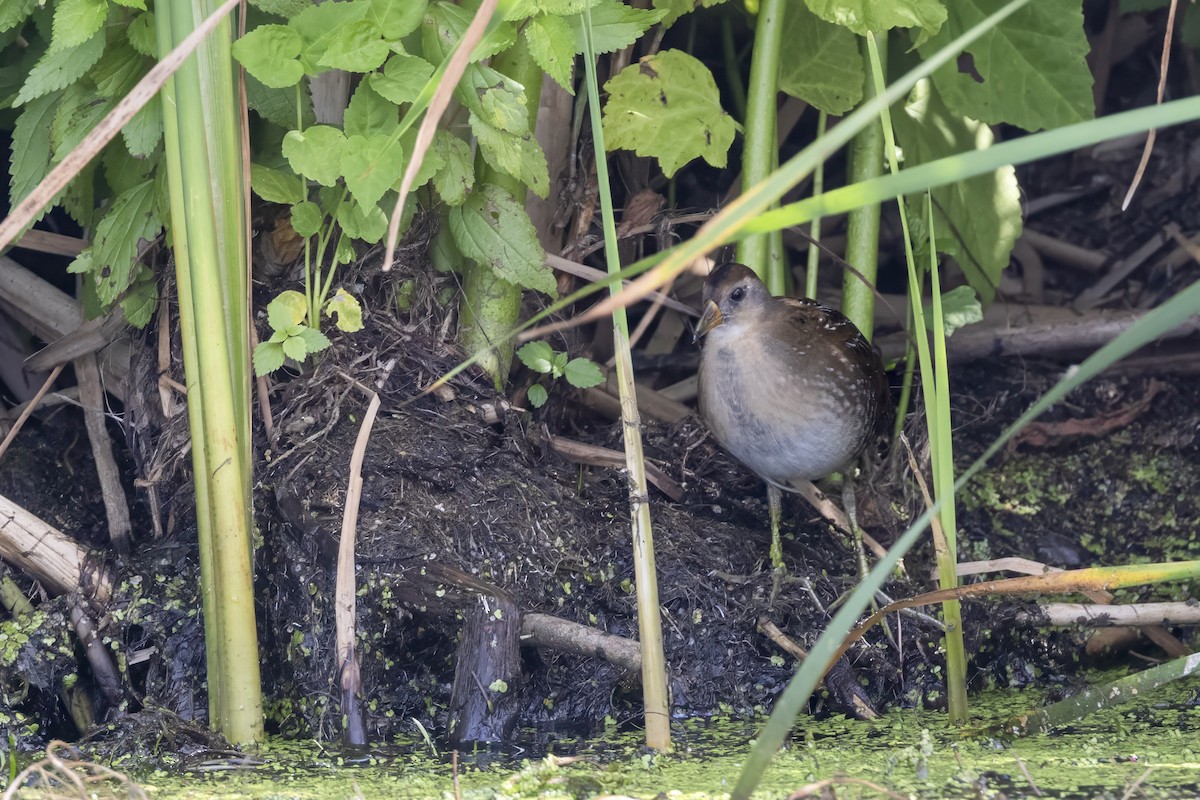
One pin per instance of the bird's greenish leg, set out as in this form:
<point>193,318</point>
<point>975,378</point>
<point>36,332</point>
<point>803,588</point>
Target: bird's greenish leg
<point>850,504</point>
<point>775,507</point>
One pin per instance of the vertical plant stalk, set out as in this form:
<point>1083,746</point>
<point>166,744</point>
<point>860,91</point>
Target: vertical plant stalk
<point>862,229</point>
<point>491,305</point>
<point>763,253</point>
<point>208,236</point>
<point>654,663</point>
<point>814,232</point>
<point>935,386</point>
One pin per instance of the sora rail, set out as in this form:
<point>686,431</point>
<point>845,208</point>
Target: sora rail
<point>788,386</point>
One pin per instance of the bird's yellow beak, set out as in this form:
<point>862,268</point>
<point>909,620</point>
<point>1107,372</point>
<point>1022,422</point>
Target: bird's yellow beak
<point>710,319</point>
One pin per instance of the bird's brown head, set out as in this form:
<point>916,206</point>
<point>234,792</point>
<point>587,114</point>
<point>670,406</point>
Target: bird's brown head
<point>732,294</point>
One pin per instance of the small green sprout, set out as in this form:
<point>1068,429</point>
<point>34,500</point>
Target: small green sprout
<point>541,357</point>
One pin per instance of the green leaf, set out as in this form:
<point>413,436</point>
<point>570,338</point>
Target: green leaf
<point>14,12</point>
<point>674,9</point>
<point>79,109</point>
<point>538,356</point>
<point>667,106</point>
<point>457,174</point>
<point>142,35</point>
<point>31,147</point>
<point>139,302</point>
<point>397,19</point>
<point>307,218</point>
<point>356,47</point>
<point>960,307</point>
<point>140,5</point>
<point>560,364</point>
<point>345,310</point>
<point>278,105</point>
<point>131,220</point>
<point>143,133</point>
<point>368,113</point>
<point>1030,70</point>
<point>316,152</point>
<point>371,165</point>
<point>430,165</point>
<point>980,218</point>
<point>493,229</point>
<point>119,70</point>
<point>878,16</point>
<point>402,79</point>
<point>821,63</point>
<point>268,357</point>
<point>583,373</point>
<point>368,227</point>
<point>76,20</point>
<point>614,26</point>
<point>286,310</point>
<point>537,395</point>
<point>271,54</point>
<point>314,340</point>
<point>523,9</point>
<point>318,25</point>
<point>444,252</point>
<point>502,105</point>
<point>343,252</point>
<point>445,24</point>
<point>276,185</point>
<point>519,156</point>
<point>552,45</point>
<point>57,69</point>
<point>295,348</point>
<point>282,8</point>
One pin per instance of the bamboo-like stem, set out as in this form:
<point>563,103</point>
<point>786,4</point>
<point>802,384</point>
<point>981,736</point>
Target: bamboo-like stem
<point>862,227</point>
<point>763,252</point>
<point>491,305</point>
<point>654,665</point>
<point>814,231</point>
<point>210,269</point>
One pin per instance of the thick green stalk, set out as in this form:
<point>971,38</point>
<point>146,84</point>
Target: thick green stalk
<point>814,252</point>
<point>491,305</point>
<point>759,158</point>
<point>207,232</point>
<point>862,229</point>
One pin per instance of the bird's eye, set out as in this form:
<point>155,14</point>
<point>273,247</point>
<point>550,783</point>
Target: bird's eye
<point>737,294</point>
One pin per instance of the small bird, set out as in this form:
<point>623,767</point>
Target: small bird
<point>788,386</point>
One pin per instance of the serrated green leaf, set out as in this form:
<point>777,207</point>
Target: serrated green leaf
<point>551,43</point>
<point>14,12</point>
<point>402,79</point>
<point>122,171</point>
<point>295,348</point>
<point>271,54</point>
<point>76,20</point>
<point>139,302</point>
<point>502,106</point>
<point>523,9</point>
<point>278,105</point>
<point>614,25</point>
<point>432,162</point>
<point>667,106</point>
<point>268,357</point>
<point>980,217</point>
<point>519,156</point>
<point>286,310</point>
<point>538,356</point>
<point>318,26</point>
<point>537,395</point>
<point>140,5</point>
<point>371,165</point>
<point>343,252</point>
<point>79,198</point>
<point>83,263</point>
<point>31,147</point>
<point>1030,70</point>
<point>960,307</point>
<point>368,226</point>
<point>445,24</point>
<point>493,229</point>
<point>59,68</point>
<point>821,64</point>
<point>560,363</point>
<point>282,8</point>
<point>142,35</point>
<point>457,174</point>
<point>674,9</point>
<point>119,70</point>
<point>276,185</point>
<point>307,218</point>
<point>143,133</point>
<point>368,113</point>
<point>80,111</point>
<point>583,373</point>
<point>346,311</point>
<point>861,16</point>
<point>316,153</point>
<point>132,219</point>
<point>397,19</point>
<point>356,47</point>
<point>314,340</point>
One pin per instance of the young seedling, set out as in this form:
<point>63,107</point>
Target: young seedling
<point>541,357</point>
